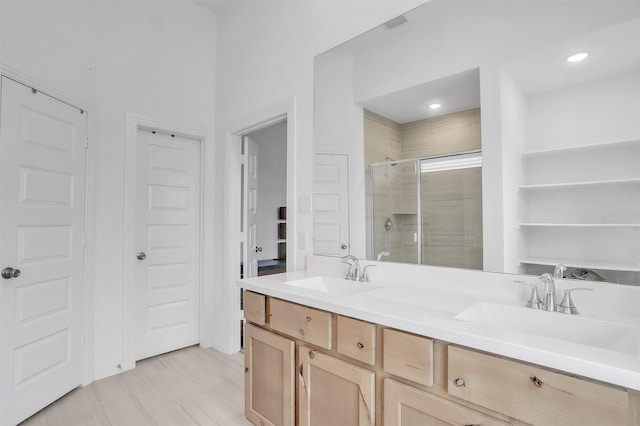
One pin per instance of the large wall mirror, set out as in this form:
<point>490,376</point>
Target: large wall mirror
<point>472,137</point>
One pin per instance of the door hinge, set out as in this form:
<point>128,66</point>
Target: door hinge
<point>86,142</point>
<point>243,159</point>
<point>84,240</point>
<point>84,341</point>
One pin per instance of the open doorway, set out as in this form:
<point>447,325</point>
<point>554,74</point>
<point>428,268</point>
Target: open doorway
<point>263,248</point>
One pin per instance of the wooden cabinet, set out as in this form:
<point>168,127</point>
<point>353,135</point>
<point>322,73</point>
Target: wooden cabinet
<point>269,362</point>
<point>333,392</point>
<point>346,378</point>
<point>407,406</point>
<point>408,356</point>
<point>357,339</point>
<point>254,307</point>
<point>532,394</point>
<point>308,324</point>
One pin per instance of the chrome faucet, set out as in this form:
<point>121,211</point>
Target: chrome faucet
<point>383,253</point>
<point>351,275</point>
<point>558,271</point>
<point>549,301</point>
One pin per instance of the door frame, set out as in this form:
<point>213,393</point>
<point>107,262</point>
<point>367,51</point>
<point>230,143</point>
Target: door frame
<point>134,123</point>
<point>88,284</point>
<point>229,298</point>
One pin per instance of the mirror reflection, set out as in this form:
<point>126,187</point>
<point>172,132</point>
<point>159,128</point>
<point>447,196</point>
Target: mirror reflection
<point>557,138</point>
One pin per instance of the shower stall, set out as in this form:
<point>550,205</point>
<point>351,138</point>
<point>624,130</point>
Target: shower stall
<point>427,210</point>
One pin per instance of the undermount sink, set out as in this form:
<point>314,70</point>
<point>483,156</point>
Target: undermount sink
<point>331,285</point>
<point>569,328</point>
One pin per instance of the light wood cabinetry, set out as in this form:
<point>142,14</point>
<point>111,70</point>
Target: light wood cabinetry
<point>255,307</point>
<point>357,339</point>
<point>407,406</point>
<point>532,394</point>
<point>308,324</point>
<point>269,378</point>
<point>334,392</point>
<point>351,372</point>
<point>408,356</point>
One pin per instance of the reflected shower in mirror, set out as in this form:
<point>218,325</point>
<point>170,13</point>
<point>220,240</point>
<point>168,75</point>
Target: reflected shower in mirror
<point>559,181</point>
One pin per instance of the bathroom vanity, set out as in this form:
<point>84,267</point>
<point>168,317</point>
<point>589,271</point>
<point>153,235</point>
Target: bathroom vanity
<point>418,346</point>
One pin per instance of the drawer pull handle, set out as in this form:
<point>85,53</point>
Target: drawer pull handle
<point>301,331</point>
<point>458,383</point>
<point>360,345</point>
<point>312,354</point>
<point>536,381</point>
<point>308,319</point>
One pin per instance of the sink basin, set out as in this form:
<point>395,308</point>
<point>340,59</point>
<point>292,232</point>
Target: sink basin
<point>570,328</point>
<point>331,285</point>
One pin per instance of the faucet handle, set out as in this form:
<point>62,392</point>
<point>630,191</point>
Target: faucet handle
<point>364,278</point>
<point>567,306</point>
<point>349,275</point>
<point>534,301</point>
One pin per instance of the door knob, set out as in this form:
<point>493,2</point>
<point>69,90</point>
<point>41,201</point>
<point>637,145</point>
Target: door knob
<point>141,255</point>
<point>8,273</point>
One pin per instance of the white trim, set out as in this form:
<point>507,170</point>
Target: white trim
<point>88,287</point>
<point>134,123</point>
<point>230,297</point>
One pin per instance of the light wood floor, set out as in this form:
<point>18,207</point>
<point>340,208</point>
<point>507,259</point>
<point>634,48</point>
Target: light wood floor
<point>192,386</point>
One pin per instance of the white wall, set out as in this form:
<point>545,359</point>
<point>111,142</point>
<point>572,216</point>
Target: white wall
<point>272,185</point>
<point>266,52</point>
<point>155,59</point>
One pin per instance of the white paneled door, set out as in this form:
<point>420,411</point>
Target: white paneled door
<point>167,240</point>
<point>42,212</point>
<point>331,205</point>
<point>250,201</point>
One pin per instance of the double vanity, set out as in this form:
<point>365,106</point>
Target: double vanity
<point>422,345</point>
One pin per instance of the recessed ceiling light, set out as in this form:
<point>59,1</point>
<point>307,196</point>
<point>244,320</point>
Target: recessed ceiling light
<point>577,57</point>
<point>434,106</point>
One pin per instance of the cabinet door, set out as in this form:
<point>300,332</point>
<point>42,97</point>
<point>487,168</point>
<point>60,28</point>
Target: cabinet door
<point>269,397</point>
<point>408,406</point>
<point>254,307</point>
<point>333,392</point>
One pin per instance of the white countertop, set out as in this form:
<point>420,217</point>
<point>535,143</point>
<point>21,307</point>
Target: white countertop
<point>425,301</point>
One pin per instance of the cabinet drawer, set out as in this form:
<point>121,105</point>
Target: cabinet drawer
<point>530,393</point>
<point>301,322</point>
<point>408,406</point>
<point>357,339</point>
<point>254,307</point>
<point>408,356</point>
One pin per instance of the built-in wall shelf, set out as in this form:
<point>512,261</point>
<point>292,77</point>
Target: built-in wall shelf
<point>579,225</point>
<point>589,264</point>
<point>569,185</point>
<point>580,206</point>
<point>584,148</point>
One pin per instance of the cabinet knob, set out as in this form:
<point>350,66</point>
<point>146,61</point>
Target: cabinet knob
<point>312,354</point>
<point>537,382</point>
<point>308,319</point>
<point>246,369</point>
<point>301,331</point>
<point>458,383</point>
<point>360,345</point>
